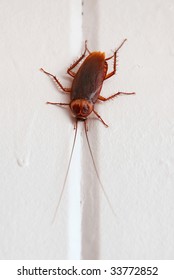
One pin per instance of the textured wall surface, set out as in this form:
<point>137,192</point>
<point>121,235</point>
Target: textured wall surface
<point>134,156</point>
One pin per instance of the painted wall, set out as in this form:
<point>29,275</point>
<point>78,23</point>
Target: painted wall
<point>134,156</point>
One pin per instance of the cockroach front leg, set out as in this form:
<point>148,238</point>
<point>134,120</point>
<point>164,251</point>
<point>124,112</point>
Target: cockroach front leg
<point>69,71</point>
<point>67,90</point>
<point>102,98</point>
<point>98,116</point>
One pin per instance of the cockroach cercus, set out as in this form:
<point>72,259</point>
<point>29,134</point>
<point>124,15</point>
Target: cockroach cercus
<point>85,92</point>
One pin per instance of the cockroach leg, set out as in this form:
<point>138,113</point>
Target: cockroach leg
<point>120,45</point>
<point>55,103</point>
<point>108,58</point>
<point>102,98</point>
<point>114,65</point>
<point>86,47</point>
<point>56,80</point>
<point>98,116</point>
<point>71,73</point>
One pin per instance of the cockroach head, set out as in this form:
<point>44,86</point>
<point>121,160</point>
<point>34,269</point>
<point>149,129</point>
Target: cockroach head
<point>81,108</point>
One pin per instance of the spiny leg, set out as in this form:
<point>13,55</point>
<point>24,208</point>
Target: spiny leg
<point>56,80</point>
<point>114,56</point>
<point>71,73</point>
<point>98,116</point>
<point>102,98</point>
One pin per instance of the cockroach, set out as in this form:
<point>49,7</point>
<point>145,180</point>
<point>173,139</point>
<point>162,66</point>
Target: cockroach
<point>85,92</point>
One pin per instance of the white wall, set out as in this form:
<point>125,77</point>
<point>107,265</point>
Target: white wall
<point>135,155</point>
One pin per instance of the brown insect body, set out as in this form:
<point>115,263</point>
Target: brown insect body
<point>84,93</point>
<point>87,85</point>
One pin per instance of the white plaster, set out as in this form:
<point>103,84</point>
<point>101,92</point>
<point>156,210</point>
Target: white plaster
<point>134,156</point>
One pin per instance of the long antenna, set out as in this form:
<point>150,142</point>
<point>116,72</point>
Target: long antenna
<point>63,188</point>
<point>101,185</point>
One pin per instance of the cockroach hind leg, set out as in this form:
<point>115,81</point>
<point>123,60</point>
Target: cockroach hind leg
<point>109,75</point>
<point>120,45</point>
<point>86,47</point>
<point>69,70</point>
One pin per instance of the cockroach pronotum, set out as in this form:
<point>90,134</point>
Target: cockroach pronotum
<point>84,93</point>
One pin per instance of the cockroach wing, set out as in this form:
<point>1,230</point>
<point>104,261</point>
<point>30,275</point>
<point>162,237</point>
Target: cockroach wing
<point>89,78</point>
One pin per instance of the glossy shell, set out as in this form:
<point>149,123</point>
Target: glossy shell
<point>89,78</point>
